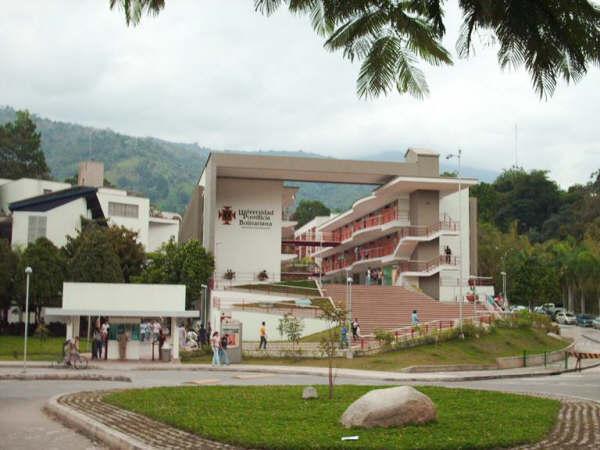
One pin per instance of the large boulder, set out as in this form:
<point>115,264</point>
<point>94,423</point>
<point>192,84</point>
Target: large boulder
<point>392,407</point>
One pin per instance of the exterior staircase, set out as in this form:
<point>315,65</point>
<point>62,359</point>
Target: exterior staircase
<point>390,307</point>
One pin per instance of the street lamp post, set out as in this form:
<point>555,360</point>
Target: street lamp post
<point>28,271</point>
<point>458,156</point>
<point>504,289</point>
<point>349,293</point>
<point>203,302</point>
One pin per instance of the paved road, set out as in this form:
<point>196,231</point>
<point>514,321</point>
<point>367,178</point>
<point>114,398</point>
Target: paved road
<point>24,426</point>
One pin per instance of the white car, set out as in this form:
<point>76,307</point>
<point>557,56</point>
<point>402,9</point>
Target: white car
<point>566,318</point>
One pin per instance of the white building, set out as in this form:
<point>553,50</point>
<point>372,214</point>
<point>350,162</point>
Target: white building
<point>54,210</point>
<point>126,306</point>
<point>401,231</point>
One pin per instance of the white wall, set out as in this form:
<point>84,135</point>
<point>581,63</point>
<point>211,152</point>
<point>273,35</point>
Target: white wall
<point>61,222</point>
<point>449,206</point>
<point>124,297</point>
<point>252,321</point>
<point>248,249</point>
<point>160,231</point>
<point>23,188</point>
<point>139,224</point>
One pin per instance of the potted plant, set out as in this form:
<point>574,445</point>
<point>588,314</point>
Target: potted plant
<point>263,275</point>
<point>229,275</point>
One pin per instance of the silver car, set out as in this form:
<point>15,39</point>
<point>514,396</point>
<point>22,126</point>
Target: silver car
<point>566,318</point>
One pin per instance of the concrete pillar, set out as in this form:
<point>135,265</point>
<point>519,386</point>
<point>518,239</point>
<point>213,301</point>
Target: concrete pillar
<point>69,327</point>
<point>174,339</point>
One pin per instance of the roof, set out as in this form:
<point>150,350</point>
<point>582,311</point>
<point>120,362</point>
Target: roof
<point>118,313</point>
<point>46,202</point>
<point>292,168</point>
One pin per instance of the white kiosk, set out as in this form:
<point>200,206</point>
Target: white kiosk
<point>125,305</point>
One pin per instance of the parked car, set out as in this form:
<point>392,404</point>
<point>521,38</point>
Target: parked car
<point>596,323</point>
<point>585,320</point>
<point>557,311</point>
<point>565,318</point>
<point>517,308</point>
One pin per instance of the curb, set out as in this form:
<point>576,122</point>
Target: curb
<point>91,428</point>
<point>389,377</point>
<point>63,376</point>
<point>591,338</point>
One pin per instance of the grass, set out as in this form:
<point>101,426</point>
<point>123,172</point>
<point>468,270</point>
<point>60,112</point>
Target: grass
<point>49,349</point>
<point>276,417</point>
<point>502,342</point>
<point>298,287</point>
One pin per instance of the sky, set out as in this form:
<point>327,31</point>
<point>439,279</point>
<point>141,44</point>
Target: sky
<point>220,74</point>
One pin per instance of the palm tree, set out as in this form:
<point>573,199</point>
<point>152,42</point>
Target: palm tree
<point>552,39</point>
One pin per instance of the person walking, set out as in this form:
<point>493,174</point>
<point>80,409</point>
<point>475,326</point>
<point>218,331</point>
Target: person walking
<point>223,356</point>
<point>262,332</point>
<point>104,329</point>
<point>414,318</point>
<point>97,343</point>
<point>448,252</point>
<point>202,335</point>
<point>344,336</point>
<point>355,329</point>
<point>215,344</point>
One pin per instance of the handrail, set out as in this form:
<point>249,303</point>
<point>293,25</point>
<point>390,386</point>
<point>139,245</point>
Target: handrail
<point>405,266</point>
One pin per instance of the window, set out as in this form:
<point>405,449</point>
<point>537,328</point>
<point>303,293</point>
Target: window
<point>122,209</point>
<point>36,228</point>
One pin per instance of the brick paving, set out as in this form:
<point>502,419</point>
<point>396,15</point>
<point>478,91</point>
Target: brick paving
<point>150,432</point>
<point>578,425</point>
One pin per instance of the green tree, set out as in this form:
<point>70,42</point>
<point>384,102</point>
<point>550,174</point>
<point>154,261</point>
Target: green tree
<point>20,153</point>
<point>551,39</point>
<point>291,327</point>
<point>130,252</point>
<point>179,263</point>
<point>94,259</point>
<point>49,269</point>
<point>307,210</point>
<point>8,270</point>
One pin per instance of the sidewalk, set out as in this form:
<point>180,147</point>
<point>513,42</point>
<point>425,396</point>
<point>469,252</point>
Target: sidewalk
<point>8,367</point>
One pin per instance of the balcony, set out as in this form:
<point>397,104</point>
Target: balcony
<point>367,223</point>
<point>414,266</point>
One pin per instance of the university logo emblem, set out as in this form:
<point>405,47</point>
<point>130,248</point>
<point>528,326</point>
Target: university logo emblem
<point>227,215</point>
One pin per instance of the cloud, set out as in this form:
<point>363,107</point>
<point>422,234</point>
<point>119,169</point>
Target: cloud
<point>222,75</point>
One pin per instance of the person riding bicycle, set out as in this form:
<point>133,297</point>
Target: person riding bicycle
<point>72,351</point>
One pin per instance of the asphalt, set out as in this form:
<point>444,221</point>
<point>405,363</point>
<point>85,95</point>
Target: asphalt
<point>24,426</point>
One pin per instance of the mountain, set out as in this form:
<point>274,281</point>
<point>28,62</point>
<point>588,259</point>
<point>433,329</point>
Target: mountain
<point>167,171</point>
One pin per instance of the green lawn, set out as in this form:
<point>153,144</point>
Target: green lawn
<point>276,417</point>
<point>49,349</point>
<point>300,287</point>
<point>485,350</point>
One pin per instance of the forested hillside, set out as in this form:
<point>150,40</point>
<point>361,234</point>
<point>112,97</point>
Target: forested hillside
<point>167,171</point>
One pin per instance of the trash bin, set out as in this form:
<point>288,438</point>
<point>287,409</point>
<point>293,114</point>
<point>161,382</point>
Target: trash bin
<point>165,354</point>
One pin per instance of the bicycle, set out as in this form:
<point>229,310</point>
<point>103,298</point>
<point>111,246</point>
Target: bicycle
<point>76,362</point>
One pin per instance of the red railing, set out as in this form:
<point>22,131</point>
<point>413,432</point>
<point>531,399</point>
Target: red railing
<point>405,266</point>
<point>363,223</point>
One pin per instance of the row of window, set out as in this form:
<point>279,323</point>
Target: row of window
<point>37,224</point>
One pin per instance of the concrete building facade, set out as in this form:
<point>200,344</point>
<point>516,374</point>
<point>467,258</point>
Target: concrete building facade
<point>401,230</point>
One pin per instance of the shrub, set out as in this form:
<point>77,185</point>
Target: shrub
<point>385,338</point>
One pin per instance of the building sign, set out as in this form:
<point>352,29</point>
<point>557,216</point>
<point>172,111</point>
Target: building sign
<point>227,215</point>
<point>247,217</point>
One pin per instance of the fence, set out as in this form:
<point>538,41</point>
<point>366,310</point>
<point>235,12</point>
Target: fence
<point>538,359</point>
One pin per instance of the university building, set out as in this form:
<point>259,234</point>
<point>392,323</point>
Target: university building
<point>32,208</point>
<point>416,230</point>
